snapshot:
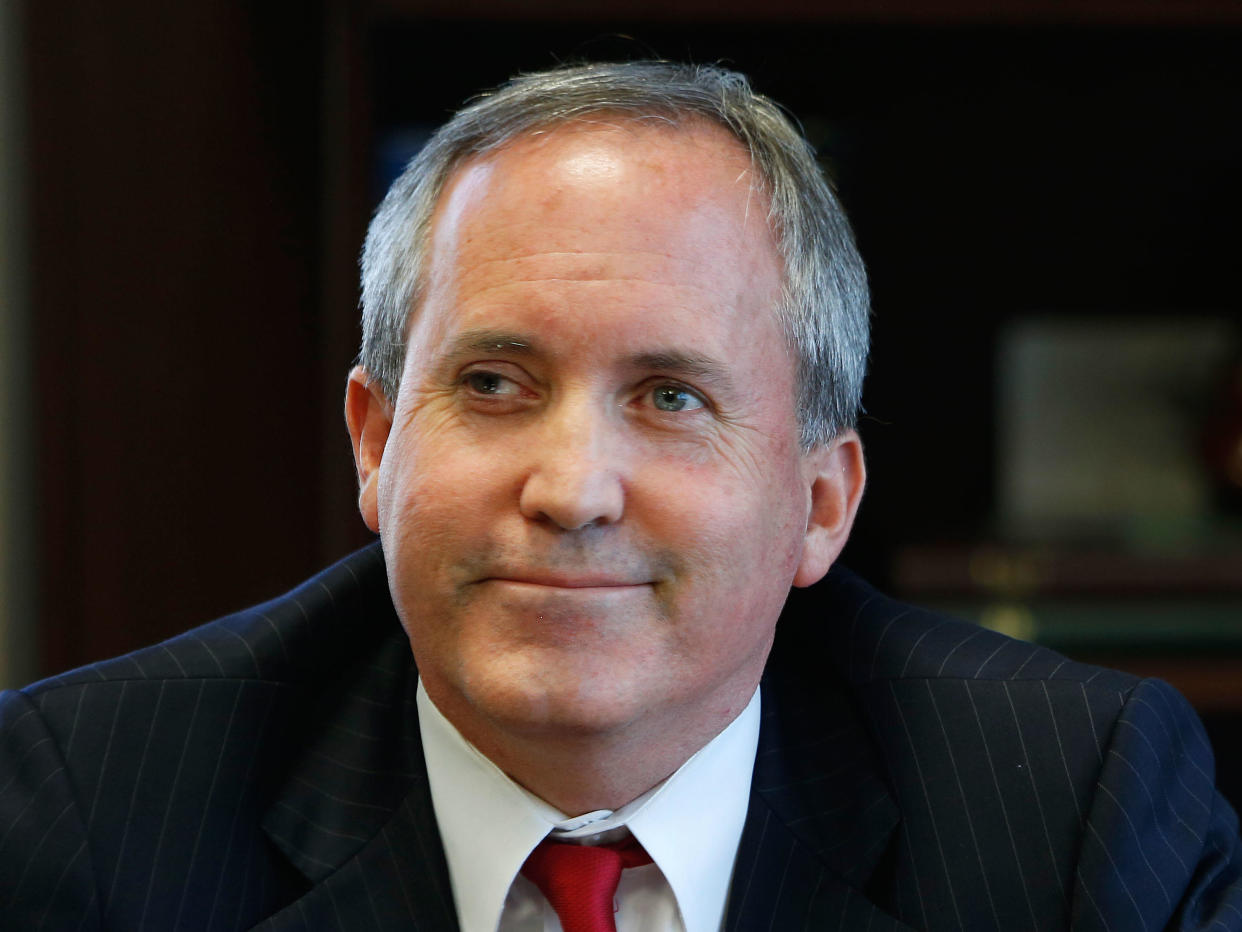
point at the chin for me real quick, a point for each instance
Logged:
(548, 702)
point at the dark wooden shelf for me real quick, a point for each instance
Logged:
(1051, 571)
(1212, 684)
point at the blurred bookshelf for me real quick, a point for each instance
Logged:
(1177, 616)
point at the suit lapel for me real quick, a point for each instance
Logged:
(354, 815)
(780, 883)
(397, 881)
(821, 817)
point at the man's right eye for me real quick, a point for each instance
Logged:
(490, 383)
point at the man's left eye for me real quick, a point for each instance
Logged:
(674, 398)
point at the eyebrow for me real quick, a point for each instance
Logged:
(491, 341)
(676, 362)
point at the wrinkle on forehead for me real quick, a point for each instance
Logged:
(586, 266)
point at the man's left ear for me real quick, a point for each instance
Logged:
(837, 474)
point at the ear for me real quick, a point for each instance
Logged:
(369, 416)
(837, 474)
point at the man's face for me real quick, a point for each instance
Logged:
(591, 496)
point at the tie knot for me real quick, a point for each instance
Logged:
(580, 881)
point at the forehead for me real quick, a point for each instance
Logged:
(608, 183)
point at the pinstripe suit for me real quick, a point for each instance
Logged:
(913, 773)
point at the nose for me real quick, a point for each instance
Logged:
(576, 476)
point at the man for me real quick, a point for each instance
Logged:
(614, 338)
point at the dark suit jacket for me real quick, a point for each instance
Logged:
(913, 772)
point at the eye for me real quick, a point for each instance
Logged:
(674, 398)
(490, 383)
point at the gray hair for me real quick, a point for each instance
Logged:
(824, 307)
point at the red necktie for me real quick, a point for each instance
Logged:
(580, 881)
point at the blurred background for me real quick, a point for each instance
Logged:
(1047, 194)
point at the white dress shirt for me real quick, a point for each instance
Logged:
(690, 825)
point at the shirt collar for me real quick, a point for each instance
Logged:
(690, 824)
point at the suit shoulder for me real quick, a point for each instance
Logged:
(332, 615)
(872, 637)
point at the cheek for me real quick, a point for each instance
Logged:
(755, 479)
(427, 496)
(426, 466)
(734, 523)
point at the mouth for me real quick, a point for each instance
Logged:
(577, 582)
